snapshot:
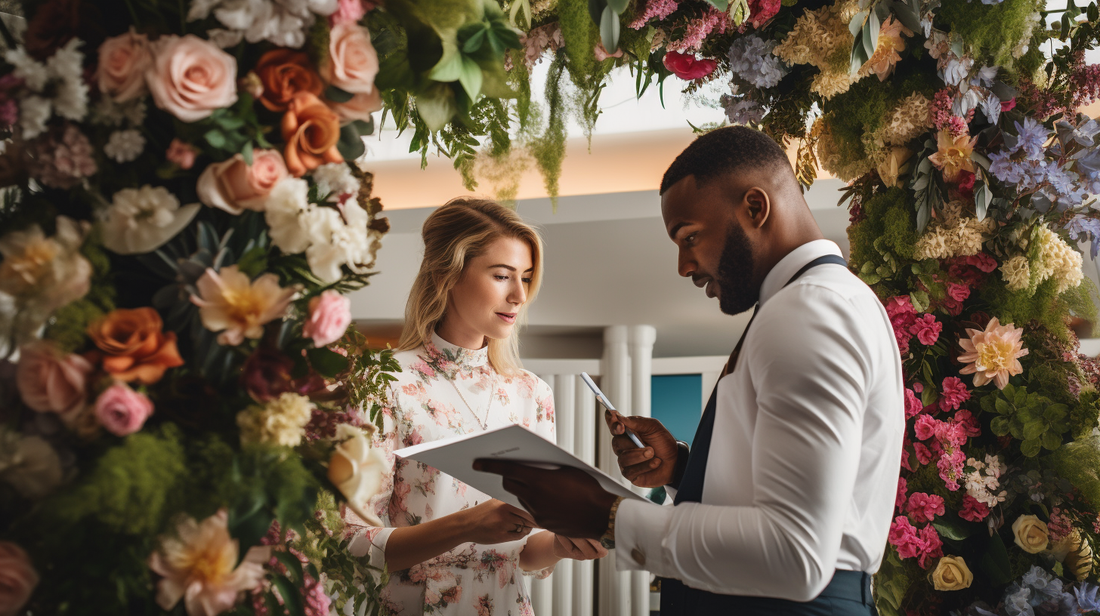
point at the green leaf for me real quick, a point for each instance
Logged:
(215, 138)
(246, 152)
(230, 123)
(449, 67)
(595, 10)
(508, 37)
(954, 529)
(364, 127)
(1030, 448)
(1051, 441)
(609, 29)
(1034, 430)
(924, 214)
(292, 564)
(292, 598)
(327, 363)
(619, 6)
(338, 95)
(982, 197)
(995, 563)
(999, 425)
(470, 77)
(721, 5)
(350, 144)
(474, 40)
(1093, 13)
(1003, 407)
(870, 33)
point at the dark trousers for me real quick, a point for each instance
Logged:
(848, 594)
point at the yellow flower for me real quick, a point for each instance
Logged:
(951, 573)
(238, 308)
(890, 42)
(954, 153)
(1031, 534)
(993, 355)
(281, 421)
(200, 566)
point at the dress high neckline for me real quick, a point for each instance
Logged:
(461, 356)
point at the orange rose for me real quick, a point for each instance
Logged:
(283, 73)
(311, 131)
(135, 346)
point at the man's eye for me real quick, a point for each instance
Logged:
(689, 240)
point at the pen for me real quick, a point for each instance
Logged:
(607, 404)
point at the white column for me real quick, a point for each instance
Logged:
(585, 426)
(640, 339)
(565, 398)
(615, 587)
(542, 591)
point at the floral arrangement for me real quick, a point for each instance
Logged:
(185, 406)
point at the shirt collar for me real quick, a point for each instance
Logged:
(461, 356)
(789, 265)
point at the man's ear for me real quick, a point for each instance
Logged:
(756, 207)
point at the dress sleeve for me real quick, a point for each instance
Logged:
(810, 373)
(364, 540)
(544, 427)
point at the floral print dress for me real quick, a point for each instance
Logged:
(425, 406)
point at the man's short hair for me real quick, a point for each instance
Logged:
(723, 151)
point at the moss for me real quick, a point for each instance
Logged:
(1084, 415)
(889, 220)
(68, 324)
(992, 31)
(1019, 307)
(548, 149)
(580, 35)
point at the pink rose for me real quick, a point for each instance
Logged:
(17, 578)
(352, 62)
(190, 77)
(122, 410)
(359, 107)
(329, 317)
(181, 153)
(234, 185)
(50, 381)
(123, 61)
(347, 11)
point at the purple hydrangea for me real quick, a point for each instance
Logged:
(1031, 137)
(1087, 595)
(752, 60)
(741, 110)
(1081, 228)
(1005, 169)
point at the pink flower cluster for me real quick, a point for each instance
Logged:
(760, 11)
(924, 508)
(973, 510)
(698, 30)
(1059, 525)
(957, 293)
(63, 162)
(907, 324)
(972, 269)
(654, 9)
(9, 109)
(954, 394)
(942, 441)
(924, 544)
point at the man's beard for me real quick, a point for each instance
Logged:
(736, 291)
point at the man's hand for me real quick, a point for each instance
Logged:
(567, 501)
(578, 549)
(651, 466)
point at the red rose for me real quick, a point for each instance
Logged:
(687, 67)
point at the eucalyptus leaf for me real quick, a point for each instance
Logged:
(365, 127)
(856, 24)
(619, 6)
(924, 214)
(470, 77)
(350, 144)
(609, 29)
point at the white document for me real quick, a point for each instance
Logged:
(455, 456)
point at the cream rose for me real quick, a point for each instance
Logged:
(356, 470)
(123, 61)
(352, 62)
(1031, 534)
(190, 77)
(235, 186)
(951, 573)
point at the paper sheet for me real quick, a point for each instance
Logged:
(455, 456)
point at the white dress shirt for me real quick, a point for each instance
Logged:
(804, 462)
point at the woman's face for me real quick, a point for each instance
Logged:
(486, 300)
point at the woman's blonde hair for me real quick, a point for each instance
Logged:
(457, 232)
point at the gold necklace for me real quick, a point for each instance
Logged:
(492, 391)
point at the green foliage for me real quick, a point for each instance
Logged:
(884, 239)
(1030, 418)
(132, 488)
(991, 31)
(548, 149)
(580, 35)
(1018, 307)
(68, 324)
(1079, 462)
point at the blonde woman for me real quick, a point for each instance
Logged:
(448, 548)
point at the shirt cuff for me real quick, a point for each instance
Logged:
(372, 545)
(641, 530)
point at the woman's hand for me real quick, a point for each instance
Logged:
(496, 522)
(578, 549)
(651, 466)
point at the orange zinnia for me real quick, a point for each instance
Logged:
(134, 345)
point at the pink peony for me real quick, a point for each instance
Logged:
(190, 77)
(123, 61)
(925, 507)
(925, 427)
(17, 578)
(235, 186)
(122, 410)
(954, 394)
(182, 154)
(329, 317)
(50, 381)
(973, 510)
(200, 566)
(347, 11)
(993, 354)
(352, 63)
(927, 329)
(687, 67)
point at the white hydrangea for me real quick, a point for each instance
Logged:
(124, 145)
(335, 179)
(65, 67)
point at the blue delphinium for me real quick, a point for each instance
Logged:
(1087, 595)
(1018, 601)
(1031, 137)
(752, 60)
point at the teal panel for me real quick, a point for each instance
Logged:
(678, 402)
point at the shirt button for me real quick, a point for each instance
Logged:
(638, 556)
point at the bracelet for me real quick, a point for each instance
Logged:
(608, 538)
